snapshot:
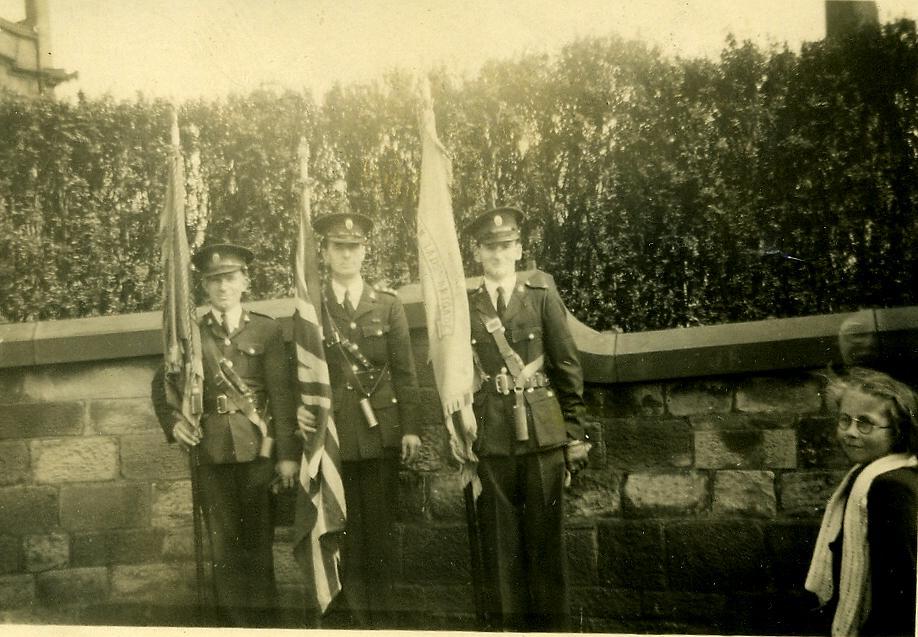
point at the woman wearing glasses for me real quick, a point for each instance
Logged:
(864, 565)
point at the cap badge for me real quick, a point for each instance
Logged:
(349, 223)
(498, 220)
(215, 257)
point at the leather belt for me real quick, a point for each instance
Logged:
(504, 383)
(222, 405)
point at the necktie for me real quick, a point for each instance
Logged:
(224, 319)
(501, 305)
(348, 307)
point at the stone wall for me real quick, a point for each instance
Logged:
(697, 513)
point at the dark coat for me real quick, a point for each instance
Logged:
(892, 518)
(379, 329)
(536, 324)
(259, 356)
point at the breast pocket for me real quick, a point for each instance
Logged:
(374, 343)
(527, 340)
(249, 359)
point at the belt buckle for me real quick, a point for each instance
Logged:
(221, 404)
(502, 384)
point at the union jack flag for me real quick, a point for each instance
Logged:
(320, 509)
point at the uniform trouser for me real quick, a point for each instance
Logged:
(369, 552)
(520, 513)
(238, 514)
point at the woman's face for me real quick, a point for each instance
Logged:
(857, 411)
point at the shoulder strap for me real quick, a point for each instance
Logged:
(515, 365)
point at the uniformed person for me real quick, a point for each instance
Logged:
(374, 384)
(530, 429)
(241, 449)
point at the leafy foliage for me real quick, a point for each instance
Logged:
(659, 192)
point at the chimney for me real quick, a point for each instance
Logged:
(844, 17)
(37, 18)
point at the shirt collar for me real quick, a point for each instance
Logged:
(508, 284)
(233, 316)
(354, 290)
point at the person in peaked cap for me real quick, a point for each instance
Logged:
(240, 448)
(374, 386)
(530, 429)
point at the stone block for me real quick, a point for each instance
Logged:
(131, 546)
(286, 569)
(128, 378)
(28, 509)
(38, 420)
(73, 586)
(412, 496)
(178, 544)
(805, 494)
(171, 504)
(46, 552)
(744, 422)
(666, 493)
(10, 554)
(156, 583)
(699, 397)
(105, 506)
(631, 554)
(425, 602)
(817, 442)
(745, 493)
(445, 499)
(150, 457)
(591, 602)
(593, 492)
(74, 460)
(647, 443)
(795, 393)
(580, 544)
(17, 591)
(682, 606)
(790, 545)
(123, 416)
(712, 556)
(434, 453)
(729, 449)
(14, 463)
(435, 554)
(780, 448)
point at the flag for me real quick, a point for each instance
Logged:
(446, 301)
(320, 509)
(184, 371)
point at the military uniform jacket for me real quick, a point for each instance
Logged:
(536, 323)
(379, 330)
(257, 353)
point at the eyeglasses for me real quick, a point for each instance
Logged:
(864, 427)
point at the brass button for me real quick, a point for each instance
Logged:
(531, 336)
(226, 341)
(378, 332)
(354, 368)
(474, 342)
(349, 386)
(251, 350)
(353, 325)
(229, 363)
(395, 400)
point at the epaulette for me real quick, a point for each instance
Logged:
(385, 290)
(267, 316)
(538, 280)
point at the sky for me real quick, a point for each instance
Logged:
(182, 49)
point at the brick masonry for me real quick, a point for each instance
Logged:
(702, 500)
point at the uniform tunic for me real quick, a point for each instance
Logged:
(378, 328)
(521, 504)
(234, 480)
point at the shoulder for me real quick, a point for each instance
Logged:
(257, 318)
(538, 280)
(894, 490)
(384, 295)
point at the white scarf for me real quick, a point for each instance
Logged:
(849, 513)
